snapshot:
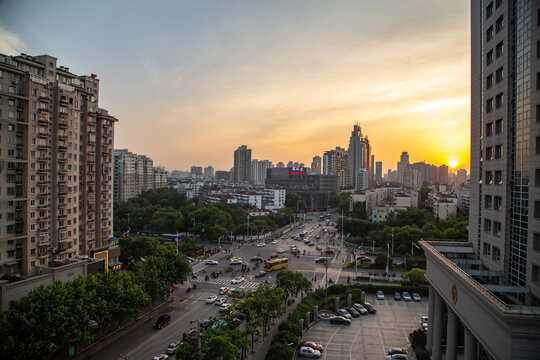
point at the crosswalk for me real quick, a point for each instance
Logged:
(227, 283)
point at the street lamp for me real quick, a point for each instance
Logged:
(392, 241)
(387, 256)
(219, 241)
(413, 245)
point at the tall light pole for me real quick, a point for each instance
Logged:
(373, 247)
(392, 241)
(219, 241)
(247, 230)
(387, 256)
(342, 230)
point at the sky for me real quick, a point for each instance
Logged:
(190, 81)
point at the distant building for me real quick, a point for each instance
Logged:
(443, 174)
(223, 175)
(335, 162)
(280, 165)
(258, 170)
(358, 156)
(274, 197)
(316, 167)
(209, 172)
(242, 164)
(461, 177)
(378, 171)
(196, 172)
(362, 179)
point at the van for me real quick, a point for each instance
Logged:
(162, 321)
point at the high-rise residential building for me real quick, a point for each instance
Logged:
(359, 154)
(134, 174)
(442, 174)
(378, 171)
(461, 176)
(335, 162)
(56, 167)
(316, 165)
(402, 165)
(223, 175)
(494, 291)
(196, 172)
(280, 165)
(242, 164)
(258, 170)
(208, 172)
(372, 168)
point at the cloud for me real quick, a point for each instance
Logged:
(10, 43)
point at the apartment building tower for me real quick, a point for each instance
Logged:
(242, 164)
(55, 166)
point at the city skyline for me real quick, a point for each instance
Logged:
(287, 79)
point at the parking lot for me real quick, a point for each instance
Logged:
(369, 336)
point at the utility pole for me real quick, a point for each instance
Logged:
(387, 256)
(342, 230)
(392, 241)
(247, 230)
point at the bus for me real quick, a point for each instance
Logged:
(302, 234)
(276, 264)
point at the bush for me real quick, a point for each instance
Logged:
(279, 351)
(418, 339)
(421, 354)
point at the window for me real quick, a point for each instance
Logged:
(498, 126)
(537, 145)
(499, 50)
(537, 113)
(489, 10)
(489, 81)
(498, 3)
(498, 151)
(538, 49)
(498, 177)
(489, 33)
(536, 241)
(537, 81)
(489, 57)
(497, 202)
(537, 209)
(487, 201)
(489, 177)
(535, 273)
(489, 105)
(489, 153)
(496, 256)
(487, 247)
(499, 75)
(537, 177)
(499, 24)
(497, 228)
(489, 129)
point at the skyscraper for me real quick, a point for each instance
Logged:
(209, 172)
(335, 162)
(242, 164)
(56, 181)
(402, 165)
(359, 153)
(316, 165)
(378, 171)
(494, 292)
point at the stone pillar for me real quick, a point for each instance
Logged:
(336, 302)
(349, 300)
(437, 328)
(470, 346)
(451, 336)
(431, 306)
(301, 326)
(308, 315)
(315, 313)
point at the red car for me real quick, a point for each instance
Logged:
(329, 251)
(312, 345)
(274, 255)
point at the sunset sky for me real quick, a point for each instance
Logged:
(190, 81)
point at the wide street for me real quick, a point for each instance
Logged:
(143, 342)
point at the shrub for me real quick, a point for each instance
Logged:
(421, 354)
(418, 339)
(278, 351)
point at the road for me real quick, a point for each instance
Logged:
(143, 342)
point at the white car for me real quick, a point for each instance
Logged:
(424, 322)
(283, 237)
(224, 307)
(160, 357)
(236, 261)
(380, 295)
(172, 348)
(405, 295)
(211, 262)
(309, 352)
(211, 299)
(274, 241)
(416, 297)
(280, 251)
(221, 301)
(237, 280)
(223, 290)
(260, 244)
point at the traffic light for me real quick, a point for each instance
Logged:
(172, 288)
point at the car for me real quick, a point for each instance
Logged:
(236, 261)
(317, 237)
(256, 258)
(311, 244)
(205, 323)
(344, 313)
(280, 251)
(211, 299)
(370, 308)
(318, 247)
(340, 320)
(260, 274)
(416, 297)
(221, 301)
(353, 312)
(362, 310)
(312, 345)
(261, 244)
(307, 241)
(274, 255)
(283, 237)
(380, 295)
(424, 322)
(190, 334)
(397, 351)
(309, 352)
(238, 280)
(211, 262)
(224, 307)
(293, 246)
(160, 357)
(162, 321)
(329, 251)
(405, 295)
(321, 260)
(397, 296)
(274, 241)
(397, 357)
(171, 349)
(223, 290)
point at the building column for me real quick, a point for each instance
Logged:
(451, 336)
(437, 328)
(431, 306)
(471, 346)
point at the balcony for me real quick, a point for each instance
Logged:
(42, 183)
(43, 120)
(62, 193)
(62, 159)
(62, 148)
(62, 205)
(43, 134)
(19, 144)
(63, 123)
(43, 146)
(43, 99)
(42, 206)
(62, 171)
(42, 219)
(42, 170)
(19, 170)
(43, 110)
(62, 217)
(19, 220)
(64, 102)
(62, 136)
(43, 194)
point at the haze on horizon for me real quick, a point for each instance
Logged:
(190, 81)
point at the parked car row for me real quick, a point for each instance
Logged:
(405, 296)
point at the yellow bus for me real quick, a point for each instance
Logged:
(276, 264)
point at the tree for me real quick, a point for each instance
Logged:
(278, 351)
(294, 201)
(416, 276)
(292, 282)
(167, 220)
(134, 249)
(220, 347)
(359, 210)
(334, 200)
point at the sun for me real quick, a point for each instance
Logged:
(452, 163)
